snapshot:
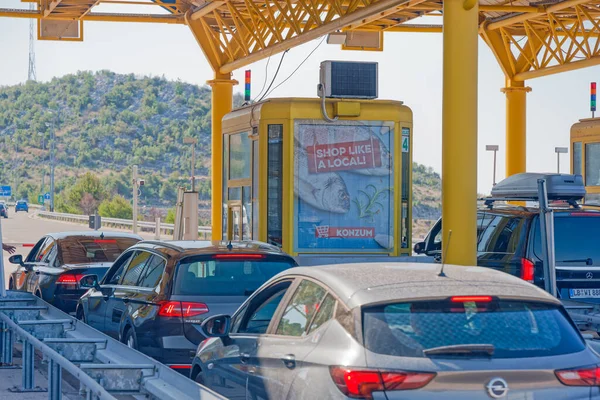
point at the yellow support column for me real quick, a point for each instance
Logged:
(516, 126)
(459, 132)
(222, 103)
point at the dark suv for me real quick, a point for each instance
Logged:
(509, 240)
(156, 295)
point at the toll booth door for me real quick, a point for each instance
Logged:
(237, 223)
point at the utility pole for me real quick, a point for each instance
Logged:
(192, 141)
(135, 198)
(494, 148)
(52, 169)
(559, 151)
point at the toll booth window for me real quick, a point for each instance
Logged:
(577, 158)
(592, 164)
(225, 190)
(239, 156)
(247, 212)
(255, 186)
(405, 185)
(275, 185)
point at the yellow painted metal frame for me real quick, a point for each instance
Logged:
(585, 131)
(284, 112)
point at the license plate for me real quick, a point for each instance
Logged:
(584, 293)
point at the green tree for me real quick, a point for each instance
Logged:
(117, 207)
(170, 218)
(87, 184)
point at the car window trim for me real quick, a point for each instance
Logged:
(139, 277)
(154, 254)
(299, 281)
(112, 266)
(293, 285)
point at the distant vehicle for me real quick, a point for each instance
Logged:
(509, 240)
(21, 206)
(3, 210)
(377, 331)
(59, 263)
(157, 294)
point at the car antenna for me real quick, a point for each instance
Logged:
(442, 274)
(229, 246)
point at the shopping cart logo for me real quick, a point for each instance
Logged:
(323, 231)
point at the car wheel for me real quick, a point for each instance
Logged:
(80, 315)
(199, 378)
(130, 339)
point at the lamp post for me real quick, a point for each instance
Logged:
(52, 160)
(192, 141)
(494, 148)
(558, 151)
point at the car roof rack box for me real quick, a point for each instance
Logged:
(524, 186)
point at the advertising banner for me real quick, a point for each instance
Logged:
(343, 186)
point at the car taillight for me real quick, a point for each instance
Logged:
(69, 279)
(527, 270)
(183, 309)
(583, 376)
(467, 299)
(361, 383)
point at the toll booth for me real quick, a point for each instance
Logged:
(585, 156)
(292, 179)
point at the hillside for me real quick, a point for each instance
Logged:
(106, 122)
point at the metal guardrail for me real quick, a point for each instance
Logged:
(103, 366)
(204, 232)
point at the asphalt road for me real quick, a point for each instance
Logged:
(25, 228)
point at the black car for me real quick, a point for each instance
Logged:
(59, 262)
(509, 240)
(156, 295)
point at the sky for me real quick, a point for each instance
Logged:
(410, 70)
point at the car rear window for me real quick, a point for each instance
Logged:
(84, 250)
(206, 276)
(575, 239)
(515, 329)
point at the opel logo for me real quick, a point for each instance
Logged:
(589, 275)
(497, 388)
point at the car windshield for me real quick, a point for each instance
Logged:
(84, 250)
(575, 239)
(203, 275)
(498, 329)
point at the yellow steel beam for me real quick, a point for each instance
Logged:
(48, 8)
(108, 17)
(526, 16)
(207, 9)
(570, 66)
(415, 28)
(516, 126)
(459, 133)
(221, 104)
(362, 14)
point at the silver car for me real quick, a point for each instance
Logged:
(397, 331)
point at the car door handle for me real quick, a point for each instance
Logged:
(244, 357)
(289, 360)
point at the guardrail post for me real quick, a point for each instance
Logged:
(54, 380)
(7, 345)
(157, 229)
(28, 359)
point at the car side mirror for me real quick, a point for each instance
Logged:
(16, 259)
(89, 282)
(216, 326)
(419, 248)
